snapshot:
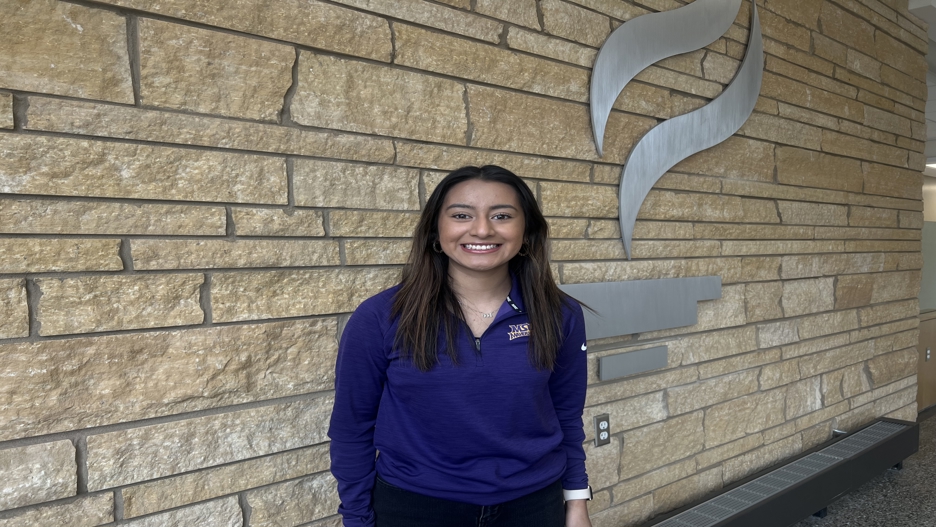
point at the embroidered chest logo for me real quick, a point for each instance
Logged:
(519, 330)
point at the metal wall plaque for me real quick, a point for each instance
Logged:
(648, 38)
(632, 363)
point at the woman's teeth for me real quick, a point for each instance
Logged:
(472, 247)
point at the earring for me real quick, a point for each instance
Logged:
(524, 250)
(437, 247)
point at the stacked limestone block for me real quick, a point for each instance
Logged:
(194, 195)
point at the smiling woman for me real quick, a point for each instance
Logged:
(468, 377)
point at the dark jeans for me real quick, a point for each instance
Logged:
(396, 507)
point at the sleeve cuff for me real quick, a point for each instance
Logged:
(577, 494)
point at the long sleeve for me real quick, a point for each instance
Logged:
(567, 387)
(360, 375)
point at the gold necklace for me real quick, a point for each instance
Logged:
(489, 314)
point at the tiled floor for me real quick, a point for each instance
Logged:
(905, 498)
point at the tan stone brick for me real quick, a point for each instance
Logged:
(569, 199)
(619, 10)
(422, 107)
(806, 14)
(885, 329)
(870, 200)
(799, 94)
(796, 212)
(777, 333)
(829, 360)
(778, 28)
(863, 64)
(802, 297)
(837, 143)
(803, 397)
(559, 49)
(805, 266)
(732, 231)
(86, 511)
(826, 323)
(459, 57)
(588, 250)
(87, 58)
(6, 110)
(277, 222)
(885, 369)
(863, 233)
(293, 502)
(639, 385)
(765, 456)
(653, 480)
(143, 375)
(631, 413)
(213, 254)
(260, 295)
(736, 157)
(779, 374)
(601, 464)
(880, 314)
(803, 115)
(516, 122)
(76, 167)
(784, 131)
(891, 403)
(683, 399)
(439, 17)
(37, 473)
(910, 220)
(377, 252)
(847, 28)
(720, 68)
(876, 100)
(843, 384)
(225, 512)
(598, 229)
(853, 291)
(732, 270)
(577, 228)
(150, 452)
(892, 181)
(314, 24)
(693, 183)
(871, 217)
(784, 192)
(659, 444)
(186, 68)
(185, 489)
(907, 413)
(574, 23)
(688, 490)
(866, 132)
(643, 230)
(674, 249)
(829, 49)
(665, 205)
(333, 184)
(900, 57)
(107, 303)
(14, 312)
(762, 301)
(715, 345)
(520, 12)
(450, 158)
(24, 255)
(883, 391)
(743, 416)
(800, 167)
(350, 223)
(735, 248)
(887, 121)
(882, 246)
(629, 513)
(83, 118)
(82, 217)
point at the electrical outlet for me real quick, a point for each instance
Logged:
(602, 429)
(927, 353)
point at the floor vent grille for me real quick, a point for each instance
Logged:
(730, 505)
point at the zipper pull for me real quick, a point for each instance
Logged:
(478, 343)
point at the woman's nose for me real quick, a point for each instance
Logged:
(481, 227)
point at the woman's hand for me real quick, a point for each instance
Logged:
(577, 514)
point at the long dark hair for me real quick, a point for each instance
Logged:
(426, 303)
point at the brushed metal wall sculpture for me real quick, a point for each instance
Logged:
(675, 139)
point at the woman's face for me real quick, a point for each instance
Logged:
(481, 226)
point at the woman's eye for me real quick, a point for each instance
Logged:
(502, 216)
(460, 216)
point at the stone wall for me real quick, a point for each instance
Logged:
(195, 195)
